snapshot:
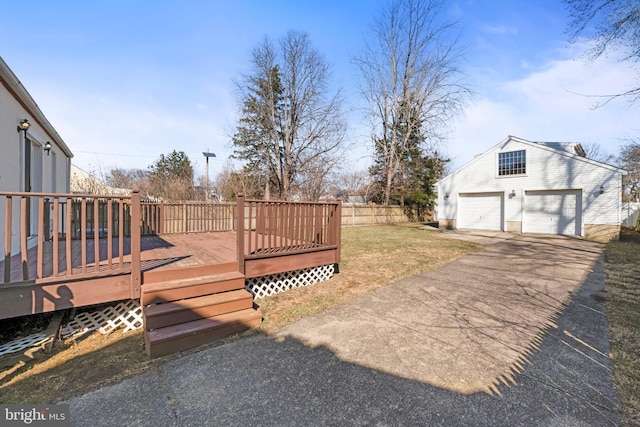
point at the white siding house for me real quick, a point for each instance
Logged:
(521, 186)
(25, 165)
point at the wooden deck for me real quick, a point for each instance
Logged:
(86, 249)
(157, 253)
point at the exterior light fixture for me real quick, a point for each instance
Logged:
(513, 193)
(24, 126)
(47, 147)
(602, 189)
(446, 195)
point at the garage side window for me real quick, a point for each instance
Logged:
(512, 163)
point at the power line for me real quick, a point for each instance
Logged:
(111, 154)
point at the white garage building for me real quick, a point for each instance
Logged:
(534, 187)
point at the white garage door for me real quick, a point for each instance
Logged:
(481, 211)
(553, 212)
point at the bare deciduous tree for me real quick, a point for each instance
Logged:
(231, 182)
(289, 120)
(610, 25)
(128, 179)
(629, 159)
(411, 82)
(594, 151)
(357, 183)
(81, 181)
(315, 180)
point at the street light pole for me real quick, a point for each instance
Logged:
(207, 154)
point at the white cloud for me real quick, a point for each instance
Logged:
(545, 106)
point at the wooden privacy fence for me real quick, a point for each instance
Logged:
(59, 227)
(188, 217)
(372, 214)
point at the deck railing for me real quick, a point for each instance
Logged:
(61, 237)
(60, 228)
(275, 228)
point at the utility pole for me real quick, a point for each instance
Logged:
(207, 154)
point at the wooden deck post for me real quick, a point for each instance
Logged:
(240, 231)
(161, 228)
(337, 221)
(7, 238)
(25, 213)
(184, 218)
(136, 271)
(40, 244)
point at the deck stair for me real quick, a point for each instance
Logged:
(187, 307)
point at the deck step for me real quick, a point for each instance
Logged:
(160, 342)
(154, 276)
(187, 310)
(175, 290)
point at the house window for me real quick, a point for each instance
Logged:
(512, 163)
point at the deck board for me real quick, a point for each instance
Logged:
(157, 252)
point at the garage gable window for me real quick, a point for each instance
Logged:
(512, 163)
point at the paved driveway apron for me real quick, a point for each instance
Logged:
(509, 335)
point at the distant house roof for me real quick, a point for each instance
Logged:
(19, 92)
(83, 182)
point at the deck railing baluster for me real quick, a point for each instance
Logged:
(121, 233)
(24, 234)
(8, 217)
(55, 256)
(40, 236)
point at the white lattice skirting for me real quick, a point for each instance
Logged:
(265, 286)
(20, 344)
(127, 314)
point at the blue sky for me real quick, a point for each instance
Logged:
(124, 81)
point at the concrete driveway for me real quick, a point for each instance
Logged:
(468, 326)
(509, 335)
